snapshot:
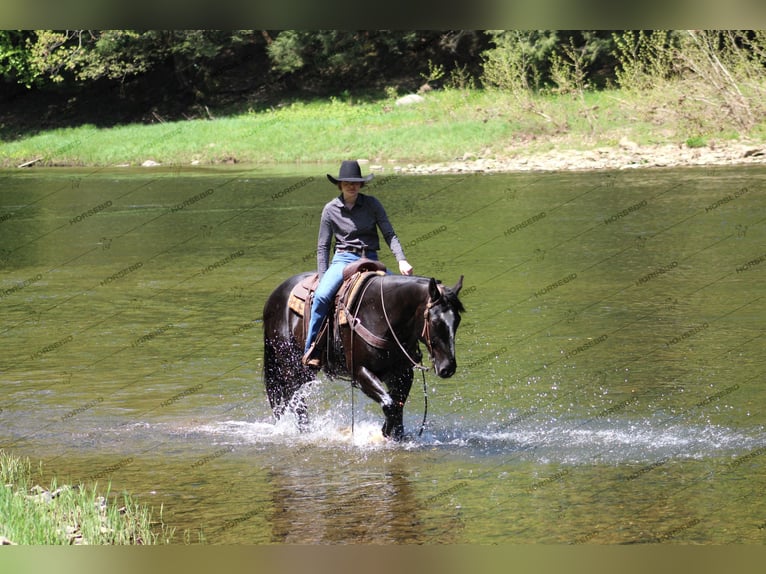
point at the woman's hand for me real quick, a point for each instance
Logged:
(405, 268)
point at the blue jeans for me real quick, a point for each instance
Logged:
(326, 290)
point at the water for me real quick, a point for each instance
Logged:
(610, 379)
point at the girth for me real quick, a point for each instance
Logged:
(345, 301)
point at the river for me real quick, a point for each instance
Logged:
(610, 361)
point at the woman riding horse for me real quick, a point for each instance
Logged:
(352, 219)
(378, 347)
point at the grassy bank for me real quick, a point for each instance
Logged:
(63, 514)
(447, 125)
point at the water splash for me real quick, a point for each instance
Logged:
(324, 432)
(612, 442)
(569, 442)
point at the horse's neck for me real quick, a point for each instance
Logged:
(406, 301)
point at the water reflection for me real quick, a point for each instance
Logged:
(380, 508)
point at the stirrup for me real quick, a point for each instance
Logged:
(309, 359)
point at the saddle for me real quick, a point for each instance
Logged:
(355, 276)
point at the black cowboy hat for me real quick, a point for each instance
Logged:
(350, 171)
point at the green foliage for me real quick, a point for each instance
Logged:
(345, 56)
(117, 54)
(688, 82)
(730, 70)
(696, 81)
(64, 515)
(644, 58)
(435, 72)
(285, 51)
(568, 69)
(14, 58)
(42, 57)
(460, 79)
(53, 54)
(696, 141)
(523, 60)
(515, 63)
(90, 55)
(511, 60)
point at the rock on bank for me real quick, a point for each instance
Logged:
(627, 155)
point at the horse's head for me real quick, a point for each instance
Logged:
(442, 318)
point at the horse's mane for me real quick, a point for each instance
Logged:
(452, 298)
(448, 293)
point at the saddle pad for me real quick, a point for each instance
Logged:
(299, 294)
(347, 293)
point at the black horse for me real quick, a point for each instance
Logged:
(397, 311)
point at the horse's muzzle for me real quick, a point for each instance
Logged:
(447, 370)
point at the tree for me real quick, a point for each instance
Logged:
(44, 57)
(367, 58)
(523, 59)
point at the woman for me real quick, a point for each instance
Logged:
(353, 219)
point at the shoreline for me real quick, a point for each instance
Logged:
(627, 155)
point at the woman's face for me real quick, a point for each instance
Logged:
(350, 189)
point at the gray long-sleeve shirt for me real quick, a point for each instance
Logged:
(355, 228)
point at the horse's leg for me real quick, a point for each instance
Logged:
(297, 400)
(299, 377)
(399, 390)
(372, 386)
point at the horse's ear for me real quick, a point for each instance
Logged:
(458, 286)
(433, 290)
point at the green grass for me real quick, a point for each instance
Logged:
(66, 515)
(448, 125)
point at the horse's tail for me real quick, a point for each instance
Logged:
(283, 375)
(269, 366)
(271, 379)
(283, 372)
